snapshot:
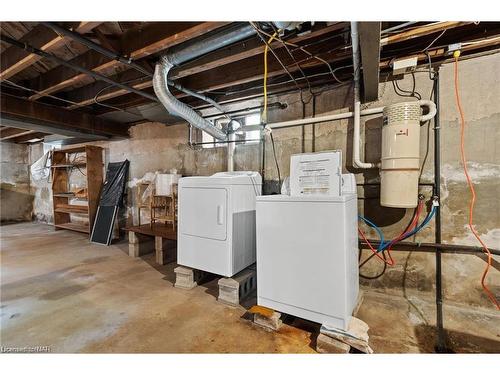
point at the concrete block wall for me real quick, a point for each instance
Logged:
(16, 199)
(154, 146)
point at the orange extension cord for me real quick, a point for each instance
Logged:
(490, 295)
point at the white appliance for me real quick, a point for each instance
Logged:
(307, 244)
(400, 166)
(216, 213)
(307, 256)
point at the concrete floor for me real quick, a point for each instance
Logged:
(58, 290)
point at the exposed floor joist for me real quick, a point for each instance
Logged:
(14, 60)
(57, 118)
(28, 137)
(135, 44)
(9, 133)
(369, 41)
(85, 95)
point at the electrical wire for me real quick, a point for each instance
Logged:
(274, 53)
(406, 93)
(490, 295)
(276, 162)
(61, 99)
(36, 92)
(309, 54)
(266, 49)
(294, 60)
(434, 41)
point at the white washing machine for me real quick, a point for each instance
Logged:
(216, 231)
(307, 255)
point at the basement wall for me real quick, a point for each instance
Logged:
(16, 200)
(153, 146)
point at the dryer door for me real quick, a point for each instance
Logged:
(203, 212)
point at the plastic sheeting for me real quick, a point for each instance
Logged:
(114, 186)
(40, 169)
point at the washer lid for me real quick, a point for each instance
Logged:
(306, 198)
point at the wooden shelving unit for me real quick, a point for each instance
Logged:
(89, 162)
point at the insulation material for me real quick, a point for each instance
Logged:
(164, 183)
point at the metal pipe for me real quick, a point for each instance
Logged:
(356, 158)
(192, 49)
(127, 61)
(429, 247)
(96, 47)
(178, 108)
(441, 339)
(397, 27)
(91, 73)
(231, 147)
(188, 51)
(333, 117)
(345, 115)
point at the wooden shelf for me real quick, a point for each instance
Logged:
(72, 209)
(74, 226)
(61, 170)
(68, 165)
(74, 150)
(70, 195)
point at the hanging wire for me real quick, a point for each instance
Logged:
(294, 60)
(434, 41)
(62, 99)
(274, 53)
(308, 53)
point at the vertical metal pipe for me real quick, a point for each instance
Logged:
(231, 147)
(314, 125)
(263, 170)
(441, 342)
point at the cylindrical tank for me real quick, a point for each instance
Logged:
(400, 164)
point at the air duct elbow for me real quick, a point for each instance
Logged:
(178, 108)
(431, 106)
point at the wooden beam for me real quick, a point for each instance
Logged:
(421, 31)
(85, 95)
(237, 74)
(15, 60)
(245, 50)
(17, 109)
(369, 41)
(443, 51)
(28, 137)
(219, 81)
(136, 44)
(8, 133)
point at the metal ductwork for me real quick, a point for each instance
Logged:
(178, 108)
(185, 52)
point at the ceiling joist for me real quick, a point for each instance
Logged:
(135, 44)
(15, 60)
